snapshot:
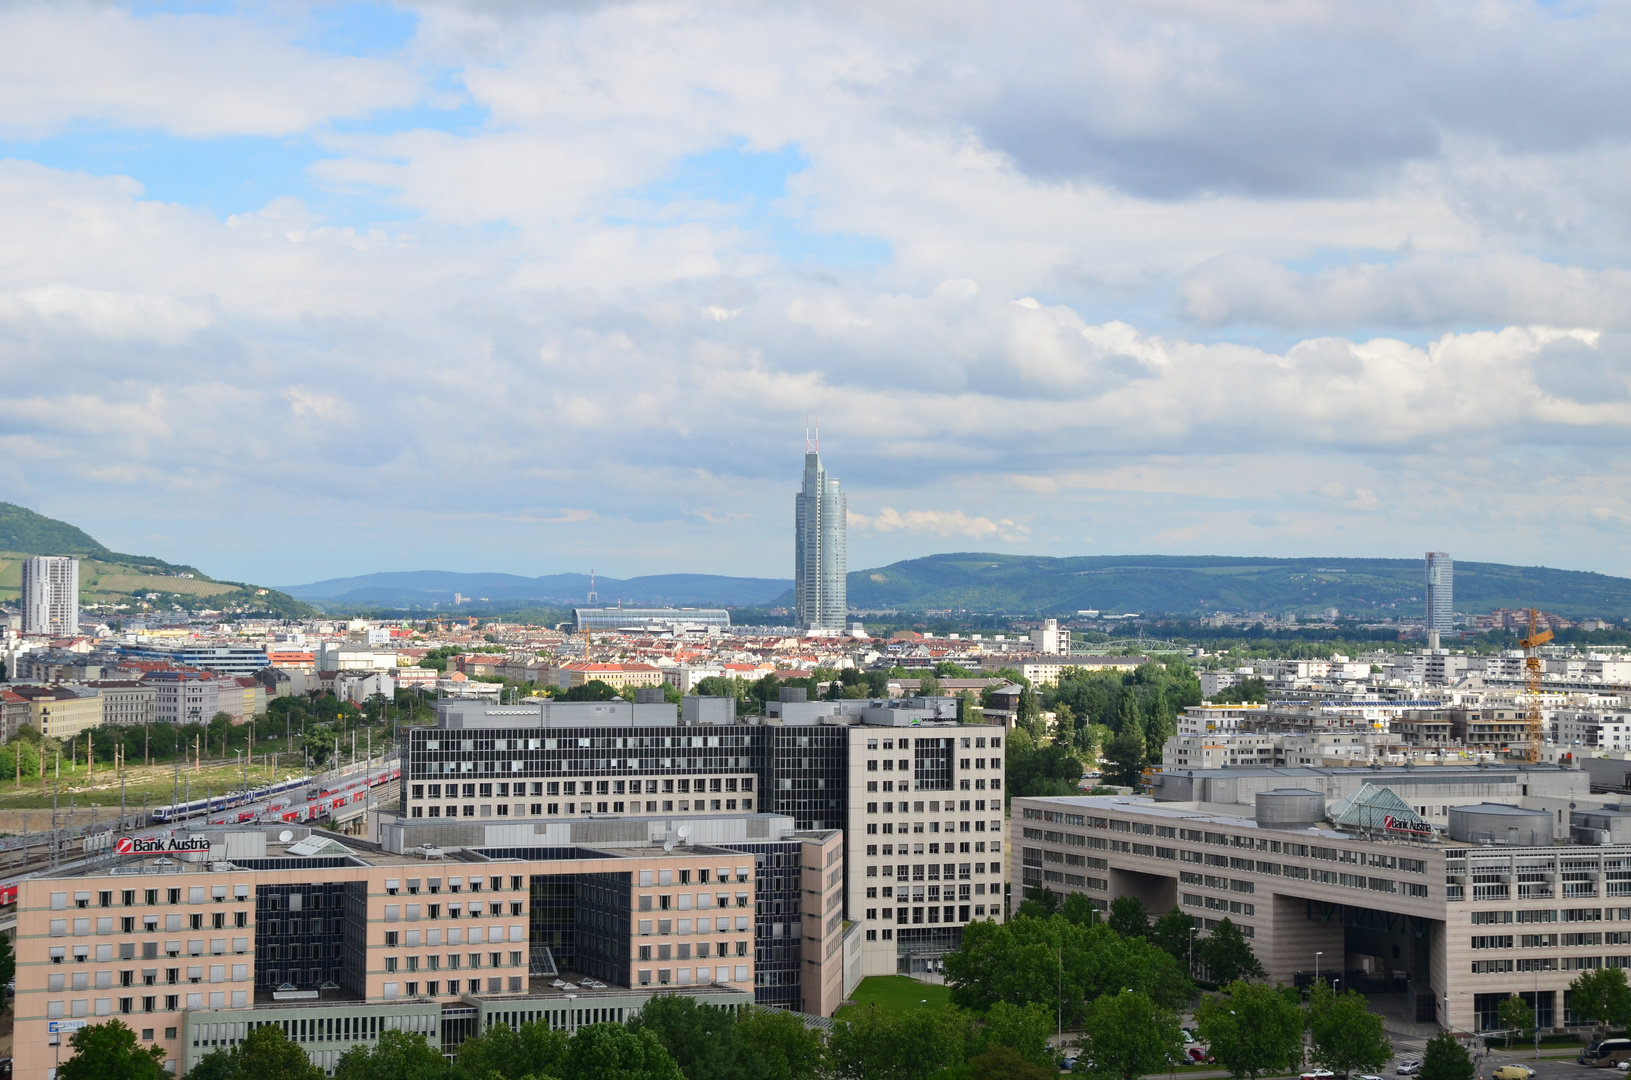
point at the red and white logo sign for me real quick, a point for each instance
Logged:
(123, 845)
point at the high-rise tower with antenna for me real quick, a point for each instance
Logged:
(820, 556)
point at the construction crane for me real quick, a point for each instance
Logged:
(1532, 686)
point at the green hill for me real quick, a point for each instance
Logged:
(115, 583)
(1015, 584)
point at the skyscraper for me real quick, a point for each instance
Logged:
(820, 559)
(1440, 595)
(51, 595)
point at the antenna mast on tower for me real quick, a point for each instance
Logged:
(593, 596)
(812, 445)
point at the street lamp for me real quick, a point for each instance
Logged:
(1317, 966)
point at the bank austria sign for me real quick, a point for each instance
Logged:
(158, 845)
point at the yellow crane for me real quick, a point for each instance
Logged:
(1532, 686)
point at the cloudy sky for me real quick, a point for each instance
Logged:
(291, 292)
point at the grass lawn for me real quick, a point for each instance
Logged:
(899, 992)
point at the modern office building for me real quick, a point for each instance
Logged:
(50, 595)
(649, 620)
(194, 944)
(1515, 888)
(1440, 595)
(822, 764)
(226, 659)
(820, 556)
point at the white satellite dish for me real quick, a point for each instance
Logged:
(684, 831)
(285, 836)
(668, 845)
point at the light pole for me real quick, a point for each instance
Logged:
(1317, 966)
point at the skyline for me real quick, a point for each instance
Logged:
(299, 292)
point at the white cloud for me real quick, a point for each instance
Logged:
(1180, 279)
(942, 523)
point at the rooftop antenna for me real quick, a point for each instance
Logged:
(594, 597)
(812, 445)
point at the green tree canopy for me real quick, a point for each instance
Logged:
(1022, 1029)
(873, 1044)
(1006, 1063)
(532, 1049)
(1253, 1030)
(1601, 996)
(1227, 955)
(1171, 934)
(111, 1051)
(777, 1045)
(395, 1055)
(1347, 1035)
(1517, 1015)
(1126, 1036)
(702, 1040)
(1445, 1059)
(1020, 962)
(1126, 757)
(1128, 917)
(613, 1052)
(593, 690)
(267, 1053)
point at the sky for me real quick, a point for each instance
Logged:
(294, 291)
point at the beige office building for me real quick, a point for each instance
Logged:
(1451, 887)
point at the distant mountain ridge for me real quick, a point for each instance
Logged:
(422, 588)
(1016, 584)
(1033, 584)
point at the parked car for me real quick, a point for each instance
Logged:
(1317, 1074)
(1189, 1036)
(1408, 1068)
(1513, 1072)
(1366, 1076)
(1200, 1057)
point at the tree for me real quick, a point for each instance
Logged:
(1601, 996)
(1020, 961)
(1253, 1031)
(1079, 910)
(1347, 1035)
(1517, 1015)
(593, 690)
(512, 1052)
(613, 1052)
(1171, 934)
(395, 1055)
(1126, 756)
(1006, 1063)
(1128, 918)
(1127, 1036)
(701, 1040)
(1024, 1030)
(267, 1052)
(777, 1045)
(1040, 902)
(111, 1051)
(1445, 1059)
(912, 1045)
(1245, 691)
(1227, 955)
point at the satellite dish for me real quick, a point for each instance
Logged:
(285, 836)
(668, 845)
(684, 831)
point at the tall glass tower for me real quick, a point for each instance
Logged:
(1440, 595)
(820, 558)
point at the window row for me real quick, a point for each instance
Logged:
(150, 897)
(454, 961)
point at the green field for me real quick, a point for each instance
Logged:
(899, 992)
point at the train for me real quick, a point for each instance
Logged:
(306, 799)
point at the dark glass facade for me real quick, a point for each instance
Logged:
(308, 935)
(603, 911)
(778, 922)
(807, 775)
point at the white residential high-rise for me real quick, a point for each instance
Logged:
(820, 562)
(1440, 595)
(51, 595)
